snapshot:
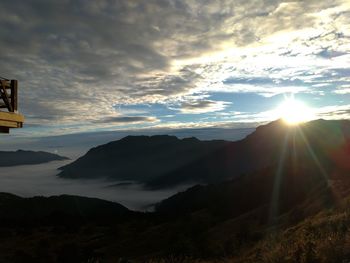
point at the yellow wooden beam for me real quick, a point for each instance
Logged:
(10, 120)
(11, 116)
(10, 124)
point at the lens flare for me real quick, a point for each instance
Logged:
(294, 112)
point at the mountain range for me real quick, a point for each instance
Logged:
(21, 157)
(165, 161)
(279, 195)
(140, 158)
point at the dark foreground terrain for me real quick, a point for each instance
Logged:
(292, 206)
(76, 229)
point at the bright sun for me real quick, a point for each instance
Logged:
(294, 112)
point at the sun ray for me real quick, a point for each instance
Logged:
(294, 112)
(313, 155)
(278, 180)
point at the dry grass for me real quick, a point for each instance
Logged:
(324, 238)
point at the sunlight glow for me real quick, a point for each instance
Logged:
(294, 112)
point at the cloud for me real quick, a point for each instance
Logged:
(34, 180)
(331, 112)
(343, 91)
(127, 119)
(264, 86)
(202, 106)
(334, 112)
(75, 60)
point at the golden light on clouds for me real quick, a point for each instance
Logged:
(192, 60)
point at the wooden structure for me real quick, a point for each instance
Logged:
(9, 117)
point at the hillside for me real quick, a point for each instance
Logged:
(55, 208)
(292, 206)
(310, 231)
(21, 157)
(306, 146)
(139, 158)
(164, 161)
(320, 238)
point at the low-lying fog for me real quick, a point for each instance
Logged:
(32, 180)
(41, 179)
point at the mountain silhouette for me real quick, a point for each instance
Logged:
(140, 158)
(55, 209)
(280, 185)
(21, 157)
(312, 146)
(318, 147)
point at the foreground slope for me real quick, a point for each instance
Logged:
(35, 209)
(195, 237)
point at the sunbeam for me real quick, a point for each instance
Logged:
(313, 155)
(294, 112)
(278, 179)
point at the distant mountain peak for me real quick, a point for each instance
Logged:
(140, 158)
(149, 138)
(23, 157)
(191, 139)
(163, 138)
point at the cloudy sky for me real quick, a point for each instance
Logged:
(113, 65)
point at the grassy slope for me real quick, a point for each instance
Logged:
(323, 238)
(198, 237)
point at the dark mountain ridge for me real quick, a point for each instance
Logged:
(21, 157)
(265, 147)
(139, 158)
(164, 161)
(59, 209)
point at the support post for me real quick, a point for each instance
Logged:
(5, 96)
(14, 94)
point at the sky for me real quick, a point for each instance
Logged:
(92, 66)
